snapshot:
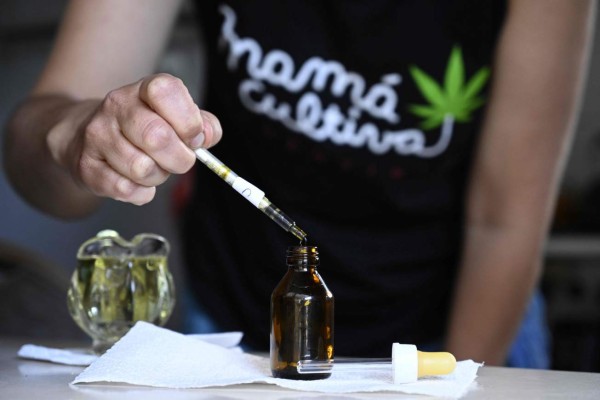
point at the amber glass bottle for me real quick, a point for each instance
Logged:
(301, 316)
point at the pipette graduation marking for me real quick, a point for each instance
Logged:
(253, 194)
(407, 364)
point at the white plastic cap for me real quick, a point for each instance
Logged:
(405, 363)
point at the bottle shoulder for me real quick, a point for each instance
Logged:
(302, 283)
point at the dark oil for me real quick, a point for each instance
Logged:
(302, 310)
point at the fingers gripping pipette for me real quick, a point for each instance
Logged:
(253, 194)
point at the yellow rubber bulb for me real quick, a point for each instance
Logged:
(435, 363)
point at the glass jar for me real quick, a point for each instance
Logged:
(301, 316)
(117, 283)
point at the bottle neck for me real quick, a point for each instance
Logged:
(302, 258)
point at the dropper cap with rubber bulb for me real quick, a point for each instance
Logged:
(408, 364)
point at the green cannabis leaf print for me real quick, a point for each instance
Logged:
(455, 98)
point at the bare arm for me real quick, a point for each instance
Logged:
(97, 124)
(539, 73)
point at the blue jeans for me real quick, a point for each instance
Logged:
(196, 319)
(530, 349)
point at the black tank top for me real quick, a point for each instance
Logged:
(358, 119)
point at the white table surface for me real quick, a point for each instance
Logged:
(33, 380)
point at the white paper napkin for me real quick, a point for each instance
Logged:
(152, 356)
(81, 357)
(84, 357)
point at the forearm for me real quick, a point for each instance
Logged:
(538, 77)
(36, 171)
(500, 268)
(50, 156)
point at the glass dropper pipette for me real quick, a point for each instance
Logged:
(407, 364)
(253, 194)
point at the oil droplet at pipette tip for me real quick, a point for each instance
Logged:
(299, 233)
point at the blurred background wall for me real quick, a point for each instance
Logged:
(572, 275)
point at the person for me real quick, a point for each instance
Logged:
(364, 121)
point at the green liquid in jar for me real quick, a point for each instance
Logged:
(109, 295)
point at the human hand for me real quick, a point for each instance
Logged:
(136, 137)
